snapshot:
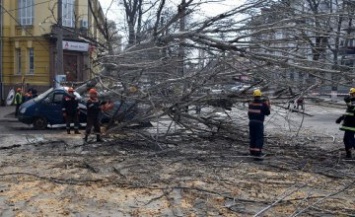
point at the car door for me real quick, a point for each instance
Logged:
(52, 108)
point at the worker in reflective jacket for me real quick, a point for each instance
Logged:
(94, 107)
(18, 100)
(258, 109)
(70, 108)
(348, 125)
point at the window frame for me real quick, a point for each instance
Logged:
(68, 13)
(18, 61)
(56, 99)
(26, 12)
(31, 61)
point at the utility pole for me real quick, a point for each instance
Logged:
(59, 60)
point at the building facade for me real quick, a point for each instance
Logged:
(29, 41)
(309, 42)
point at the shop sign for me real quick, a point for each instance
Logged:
(75, 46)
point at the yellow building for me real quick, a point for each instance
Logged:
(29, 35)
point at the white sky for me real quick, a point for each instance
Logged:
(210, 9)
(116, 12)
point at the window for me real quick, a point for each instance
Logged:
(25, 12)
(68, 13)
(57, 98)
(18, 64)
(31, 66)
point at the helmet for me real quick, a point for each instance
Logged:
(352, 90)
(19, 89)
(92, 91)
(257, 93)
(70, 90)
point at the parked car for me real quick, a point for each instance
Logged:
(239, 88)
(47, 109)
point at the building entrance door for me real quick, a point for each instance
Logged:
(71, 67)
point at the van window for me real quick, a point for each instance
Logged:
(57, 98)
(49, 98)
(43, 95)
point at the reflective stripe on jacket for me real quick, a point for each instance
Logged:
(257, 110)
(349, 116)
(18, 99)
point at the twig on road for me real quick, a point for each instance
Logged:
(277, 201)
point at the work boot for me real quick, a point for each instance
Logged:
(259, 157)
(348, 154)
(86, 139)
(68, 131)
(77, 132)
(98, 138)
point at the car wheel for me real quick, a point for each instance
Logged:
(40, 123)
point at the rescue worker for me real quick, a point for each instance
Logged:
(94, 107)
(28, 95)
(348, 125)
(258, 109)
(70, 108)
(300, 103)
(18, 100)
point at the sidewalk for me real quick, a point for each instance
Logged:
(7, 114)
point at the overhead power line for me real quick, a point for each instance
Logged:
(33, 5)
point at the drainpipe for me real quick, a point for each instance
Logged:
(1, 54)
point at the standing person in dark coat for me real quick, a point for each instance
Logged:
(70, 108)
(300, 103)
(348, 120)
(94, 107)
(34, 93)
(258, 109)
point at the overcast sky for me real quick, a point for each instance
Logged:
(116, 13)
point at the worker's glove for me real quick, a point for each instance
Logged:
(347, 100)
(339, 120)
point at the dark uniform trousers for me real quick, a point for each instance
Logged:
(70, 118)
(349, 140)
(93, 122)
(256, 129)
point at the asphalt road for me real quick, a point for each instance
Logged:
(12, 127)
(322, 120)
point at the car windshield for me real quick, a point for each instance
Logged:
(42, 95)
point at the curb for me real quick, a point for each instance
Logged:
(8, 120)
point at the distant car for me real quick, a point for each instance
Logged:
(47, 109)
(239, 88)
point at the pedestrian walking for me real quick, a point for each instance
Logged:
(18, 101)
(198, 108)
(94, 108)
(348, 125)
(257, 111)
(70, 108)
(300, 103)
